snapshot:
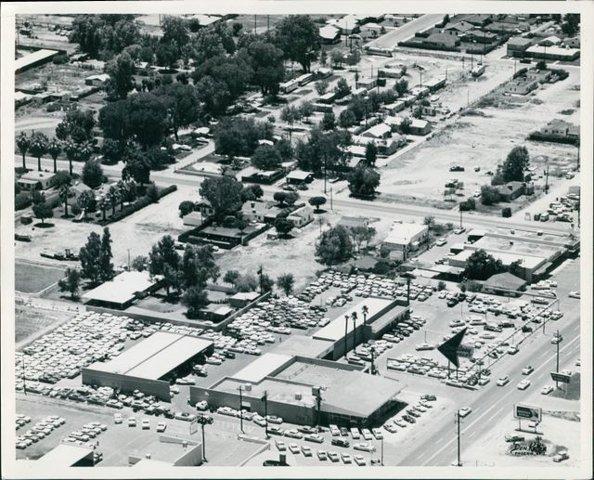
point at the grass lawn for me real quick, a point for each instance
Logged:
(30, 278)
(30, 320)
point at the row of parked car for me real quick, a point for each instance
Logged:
(38, 431)
(410, 414)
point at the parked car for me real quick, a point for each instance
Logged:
(339, 442)
(559, 457)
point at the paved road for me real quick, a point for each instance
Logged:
(391, 39)
(492, 401)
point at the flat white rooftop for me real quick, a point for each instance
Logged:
(122, 288)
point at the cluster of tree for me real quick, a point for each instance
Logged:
(225, 195)
(247, 282)
(71, 282)
(571, 24)
(42, 209)
(236, 136)
(334, 246)
(490, 195)
(95, 258)
(360, 108)
(481, 266)
(363, 181)
(291, 114)
(513, 169)
(103, 36)
(270, 157)
(468, 205)
(323, 151)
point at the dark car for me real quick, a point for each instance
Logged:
(456, 168)
(526, 329)
(339, 442)
(344, 432)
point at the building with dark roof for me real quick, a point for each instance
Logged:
(516, 46)
(504, 284)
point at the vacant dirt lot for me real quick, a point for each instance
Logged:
(483, 140)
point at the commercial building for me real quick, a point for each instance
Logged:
(536, 252)
(34, 59)
(553, 53)
(122, 290)
(404, 238)
(167, 451)
(517, 46)
(305, 391)
(504, 284)
(66, 456)
(148, 365)
(346, 334)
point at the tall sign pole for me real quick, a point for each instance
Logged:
(241, 410)
(458, 422)
(557, 369)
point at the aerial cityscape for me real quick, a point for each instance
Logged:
(297, 240)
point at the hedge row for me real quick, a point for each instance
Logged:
(137, 205)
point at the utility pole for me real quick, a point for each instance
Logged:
(354, 318)
(240, 409)
(325, 172)
(317, 392)
(372, 360)
(547, 178)
(204, 420)
(458, 419)
(558, 343)
(365, 310)
(254, 24)
(460, 217)
(382, 450)
(331, 206)
(265, 398)
(24, 376)
(129, 260)
(346, 329)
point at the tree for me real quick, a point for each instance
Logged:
(362, 235)
(290, 115)
(136, 167)
(363, 181)
(43, 210)
(164, 260)
(317, 202)
(38, 146)
(417, 112)
(429, 220)
(297, 36)
(284, 149)
(266, 157)
(175, 32)
(71, 282)
(334, 246)
(104, 261)
(152, 193)
(346, 118)
(23, 142)
(183, 103)
(267, 66)
(147, 119)
(112, 151)
(481, 266)
(246, 283)
(515, 165)
(86, 202)
(140, 263)
(224, 195)
(266, 283)
(77, 127)
(89, 255)
(307, 110)
(370, 154)
(571, 24)
(286, 282)
(336, 57)
(321, 86)
(197, 266)
(121, 70)
(283, 226)
(185, 207)
(286, 199)
(231, 276)
(92, 174)
(401, 86)
(342, 88)
(195, 298)
(54, 148)
(405, 125)
(328, 121)
(489, 195)
(541, 65)
(61, 182)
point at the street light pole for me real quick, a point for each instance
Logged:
(458, 421)
(265, 397)
(354, 318)
(346, 329)
(240, 409)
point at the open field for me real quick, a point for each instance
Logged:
(30, 321)
(31, 278)
(483, 140)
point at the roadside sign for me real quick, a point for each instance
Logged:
(527, 412)
(193, 426)
(560, 377)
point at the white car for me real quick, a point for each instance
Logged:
(366, 434)
(575, 294)
(294, 448)
(523, 385)
(117, 418)
(464, 411)
(146, 425)
(355, 433)
(161, 427)
(364, 446)
(359, 460)
(546, 389)
(527, 370)
(322, 455)
(131, 422)
(440, 242)
(306, 451)
(346, 458)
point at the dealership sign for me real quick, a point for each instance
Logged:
(527, 412)
(560, 377)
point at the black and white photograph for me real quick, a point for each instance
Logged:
(346, 238)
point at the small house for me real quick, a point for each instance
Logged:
(301, 217)
(516, 46)
(193, 219)
(378, 131)
(97, 80)
(299, 176)
(510, 191)
(329, 34)
(35, 180)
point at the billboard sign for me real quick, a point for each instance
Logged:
(560, 377)
(526, 412)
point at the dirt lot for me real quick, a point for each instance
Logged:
(30, 321)
(137, 232)
(483, 140)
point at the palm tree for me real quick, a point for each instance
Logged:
(38, 146)
(122, 190)
(23, 142)
(103, 206)
(54, 148)
(64, 192)
(112, 197)
(365, 312)
(72, 153)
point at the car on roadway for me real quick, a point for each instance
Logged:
(546, 389)
(359, 460)
(556, 339)
(575, 294)
(527, 370)
(459, 230)
(523, 385)
(440, 242)
(161, 427)
(464, 411)
(117, 418)
(512, 350)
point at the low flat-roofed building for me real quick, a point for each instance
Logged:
(378, 131)
(505, 283)
(299, 176)
(167, 451)
(241, 299)
(36, 180)
(404, 236)
(262, 367)
(352, 222)
(122, 290)
(303, 345)
(329, 34)
(553, 53)
(34, 59)
(65, 456)
(147, 365)
(97, 80)
(193, 219)
(347, 396)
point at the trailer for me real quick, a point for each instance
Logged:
(304, 79)
(477, 71)
(289, 86)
